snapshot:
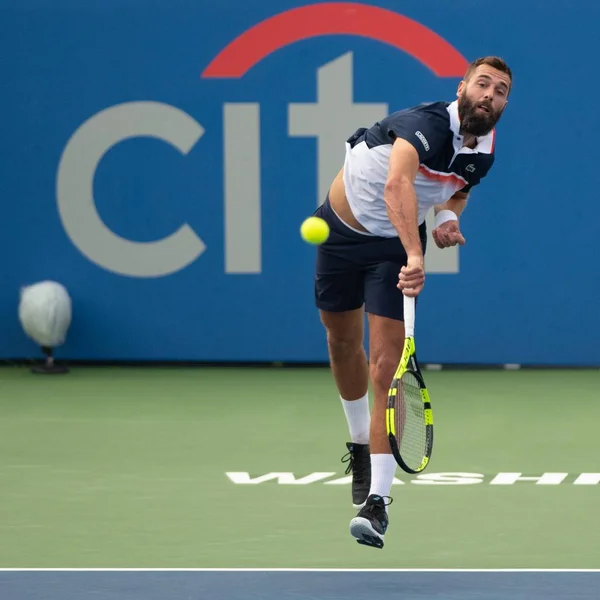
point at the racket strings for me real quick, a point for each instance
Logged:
(411, 432)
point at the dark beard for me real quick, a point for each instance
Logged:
(473, 122)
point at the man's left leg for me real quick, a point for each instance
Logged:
(386, 341)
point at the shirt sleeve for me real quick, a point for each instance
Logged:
(484, 164)
(427, 130)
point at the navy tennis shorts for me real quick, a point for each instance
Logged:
(355, 269)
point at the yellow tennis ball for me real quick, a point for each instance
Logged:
(314, 230)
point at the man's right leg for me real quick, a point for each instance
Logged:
(339, 296)
(350, 370)
(347, 353)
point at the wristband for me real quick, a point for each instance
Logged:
(445, 215)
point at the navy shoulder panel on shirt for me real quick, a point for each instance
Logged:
(425, 126)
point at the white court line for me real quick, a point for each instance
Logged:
(292, 570)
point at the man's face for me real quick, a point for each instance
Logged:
(482, 99)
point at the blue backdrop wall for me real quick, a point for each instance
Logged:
(159, 157)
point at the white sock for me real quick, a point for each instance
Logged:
(383, 469)
(359, 418)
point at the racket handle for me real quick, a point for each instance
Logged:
(409, 316)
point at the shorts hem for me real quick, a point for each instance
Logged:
(336, 309)
(380, 313)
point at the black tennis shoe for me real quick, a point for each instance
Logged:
(371, 522)
(359, 464)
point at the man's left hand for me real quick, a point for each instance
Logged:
(448, 234)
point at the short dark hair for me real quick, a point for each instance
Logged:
(493, 61)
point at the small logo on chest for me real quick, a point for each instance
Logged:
(470, 168)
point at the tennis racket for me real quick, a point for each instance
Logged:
(409, 418)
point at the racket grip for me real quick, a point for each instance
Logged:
(409, 316)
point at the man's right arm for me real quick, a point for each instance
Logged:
(402, 208)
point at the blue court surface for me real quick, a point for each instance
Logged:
(298, 585)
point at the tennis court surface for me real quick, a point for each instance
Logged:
(237, 468)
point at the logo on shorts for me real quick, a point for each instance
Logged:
(470, 168)
(424, 140)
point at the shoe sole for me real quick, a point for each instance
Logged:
(362, 530)
(359, 506)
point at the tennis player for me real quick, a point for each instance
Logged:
(427, 156)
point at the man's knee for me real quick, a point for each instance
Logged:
(344, 331)
(386, 344)
(382, 367)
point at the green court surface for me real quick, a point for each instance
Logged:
(135, 467)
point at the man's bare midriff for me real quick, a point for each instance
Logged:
(339, 202)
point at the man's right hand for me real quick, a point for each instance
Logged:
(411, 278)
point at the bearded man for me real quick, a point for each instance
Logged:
(424, 157)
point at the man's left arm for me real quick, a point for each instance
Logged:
(447, 231)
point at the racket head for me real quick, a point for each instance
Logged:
(409, 416)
